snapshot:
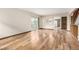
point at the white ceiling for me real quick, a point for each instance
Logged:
(48, 11)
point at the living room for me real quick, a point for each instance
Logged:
(25, 26)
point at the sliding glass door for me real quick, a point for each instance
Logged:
(34, 23)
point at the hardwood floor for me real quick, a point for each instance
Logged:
(15, 42)
(42, 39)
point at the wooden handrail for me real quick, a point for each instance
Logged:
(75, 15)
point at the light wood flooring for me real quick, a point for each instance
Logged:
(42, 39)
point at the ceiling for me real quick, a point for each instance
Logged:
(48, 11)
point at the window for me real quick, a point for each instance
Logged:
(52, 23)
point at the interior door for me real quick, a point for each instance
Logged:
(63, 22)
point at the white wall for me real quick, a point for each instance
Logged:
(68, 22)
(14, 21)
